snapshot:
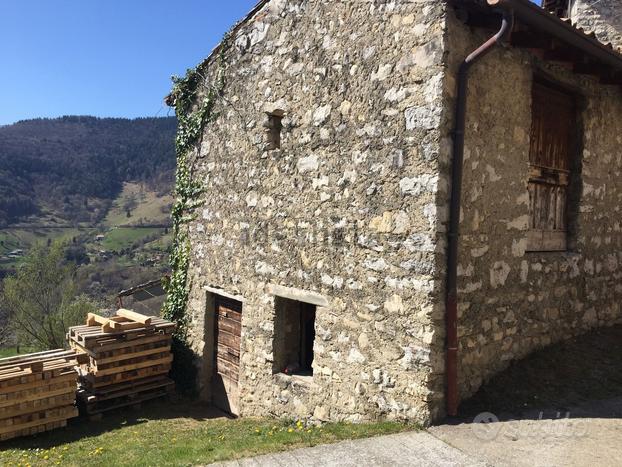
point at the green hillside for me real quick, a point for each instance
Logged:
(102, 186)
(67, 171)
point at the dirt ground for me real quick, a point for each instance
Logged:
(560, 406)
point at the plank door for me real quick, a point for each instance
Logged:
(228, 328)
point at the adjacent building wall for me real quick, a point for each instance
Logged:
(603, 17)
(510, 301)
(349, 208)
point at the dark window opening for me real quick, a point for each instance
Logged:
(552, 164)
(294, 334)
(558, 7)
(274, 127)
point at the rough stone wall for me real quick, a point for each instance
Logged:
(603, 17)
(350, 207)
(511, 301)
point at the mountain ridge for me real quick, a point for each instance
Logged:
(71, 168)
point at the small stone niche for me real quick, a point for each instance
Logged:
(274, 127)
(294, 334)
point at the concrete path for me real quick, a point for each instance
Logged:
(587, 435)
(540, 443)
(591, 435)
(405, 449)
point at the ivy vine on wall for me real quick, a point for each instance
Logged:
(194, 100)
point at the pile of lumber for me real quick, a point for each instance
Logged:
(38, 392)
(129, 360)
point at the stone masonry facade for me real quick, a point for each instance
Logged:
(511, 301)
(602, 17)
(347, 208)
(350, 213)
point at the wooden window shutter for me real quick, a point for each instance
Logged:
(552, 133)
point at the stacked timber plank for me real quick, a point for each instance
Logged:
(129, 360)
(38, 392)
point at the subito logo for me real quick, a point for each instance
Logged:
(486, 426)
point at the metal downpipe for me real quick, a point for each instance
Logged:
(451, 299)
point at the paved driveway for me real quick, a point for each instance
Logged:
(590, 436)
(405, 449)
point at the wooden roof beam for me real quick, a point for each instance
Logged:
(531, 40)
(563, 53)
(586, 67)
(614, 79)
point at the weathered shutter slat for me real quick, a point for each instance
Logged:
(553, 117)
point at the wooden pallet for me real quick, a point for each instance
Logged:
(129, 358)
(38, 391)
(92, 337)
(123, 395)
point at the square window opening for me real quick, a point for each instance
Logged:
(294, 334)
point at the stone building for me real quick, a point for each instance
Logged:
(327, 278)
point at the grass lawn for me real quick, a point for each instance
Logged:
(175, 434)
(12, 239)
(124, 237)
(6, 352)
(150, 207)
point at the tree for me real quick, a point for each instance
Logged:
(41, 298)
(130, 204)
(77, 255)
(5, 331)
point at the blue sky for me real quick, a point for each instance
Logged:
(102, 57)
(110, 58)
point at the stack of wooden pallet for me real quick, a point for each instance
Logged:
(38, 392)
(129, 360)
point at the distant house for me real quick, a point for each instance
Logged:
(100, 237)
(103, 254)
(380, 235)
(15, 253)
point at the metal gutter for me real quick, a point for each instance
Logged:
(451, 299)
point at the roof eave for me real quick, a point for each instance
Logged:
(530, 14)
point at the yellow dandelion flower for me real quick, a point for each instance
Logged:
(46, 457)
(291, 430)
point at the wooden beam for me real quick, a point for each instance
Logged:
(612, 79)
(129, 314)
(93, 320)
(563, 53)
(590, 68)
(531, 40)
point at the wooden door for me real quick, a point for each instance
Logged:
(227, 328)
